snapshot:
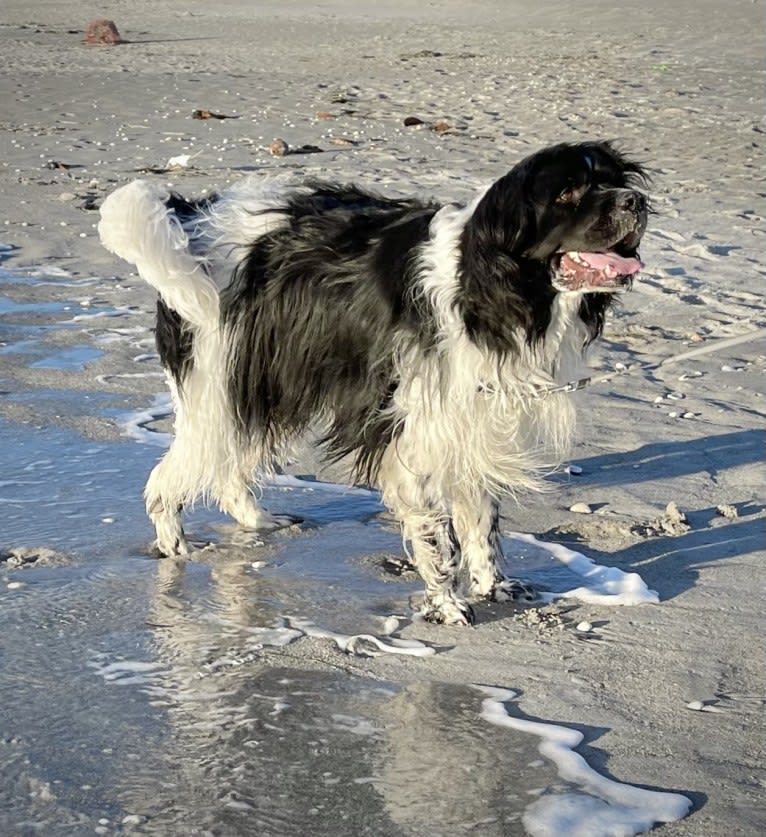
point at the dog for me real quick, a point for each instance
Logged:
(423, 339)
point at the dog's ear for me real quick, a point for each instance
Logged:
(497, 299)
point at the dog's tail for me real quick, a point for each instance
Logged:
(137, 225)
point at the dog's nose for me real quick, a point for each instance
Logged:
(634, 202)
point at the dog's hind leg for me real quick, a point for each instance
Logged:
(427, 527)
(477, 526)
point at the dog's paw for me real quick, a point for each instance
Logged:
(447, 609)
(512, 590)
(171, 539)
(169, 547)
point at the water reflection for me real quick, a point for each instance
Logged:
(270, 738)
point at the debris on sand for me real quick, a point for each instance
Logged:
(673, 522)
(278, 148)
(344, 141)
(546, 618)
(209, 114)
(727, 511)
(598, 526)
(30, 556)
(103, 33)
(181, 161)
(440, 126)
(57, 165)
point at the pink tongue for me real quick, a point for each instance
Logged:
(611, 264)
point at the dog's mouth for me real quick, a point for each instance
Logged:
(578, 271)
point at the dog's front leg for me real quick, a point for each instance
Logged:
(427, 527)
(165, 493)
(436, 555)
(477, 527)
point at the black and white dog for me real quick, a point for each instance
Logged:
(420, 337)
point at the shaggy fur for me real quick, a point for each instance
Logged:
(420, 338)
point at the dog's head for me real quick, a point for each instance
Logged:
(586, 215)
(578, 210)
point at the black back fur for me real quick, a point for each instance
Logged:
(313, 310)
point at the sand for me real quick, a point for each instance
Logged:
(670, 696)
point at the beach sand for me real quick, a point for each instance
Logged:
(669, 696)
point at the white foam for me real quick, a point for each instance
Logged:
(135, 424)
(360, 643)
(117, 311)
(121, 376)
(289, 481)
(128, 672)
(604, 807)
(605, 585)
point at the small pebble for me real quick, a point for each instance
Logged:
(133, 819)
(390, 624)
(575, 470)
(278, 148)
(676, 396)
(696, 705)
(687, 415)
(584, 627)
(107, 520)
(15, 585)
(581, 508)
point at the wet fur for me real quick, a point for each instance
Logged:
(415, 335)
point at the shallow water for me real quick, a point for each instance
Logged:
(206, 697)
(130, 692)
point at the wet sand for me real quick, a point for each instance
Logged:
(150, 697)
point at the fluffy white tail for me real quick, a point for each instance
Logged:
(137, 226)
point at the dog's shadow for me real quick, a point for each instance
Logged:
(664, 460)
(670, 563)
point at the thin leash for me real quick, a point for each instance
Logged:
(644, 366)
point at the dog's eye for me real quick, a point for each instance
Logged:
(572, 194)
